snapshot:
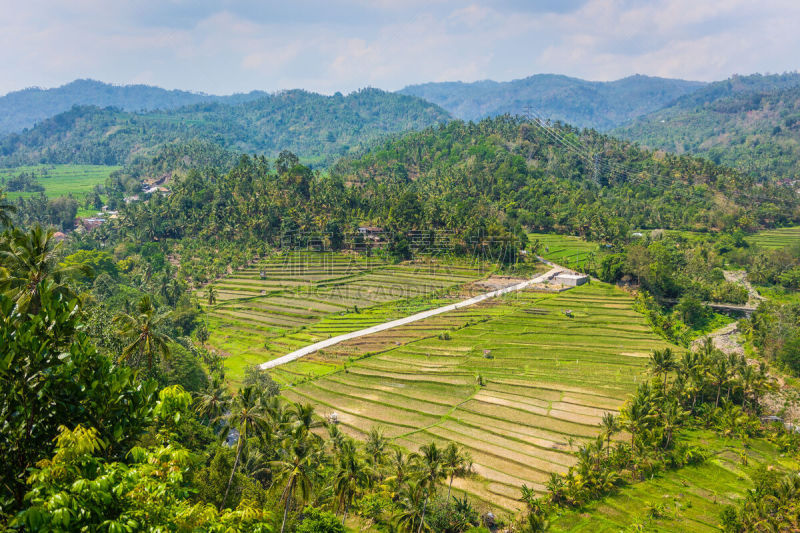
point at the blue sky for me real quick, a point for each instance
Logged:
(326, 46)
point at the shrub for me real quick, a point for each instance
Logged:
(317, 521)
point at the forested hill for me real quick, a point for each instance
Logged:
(599, 105)
(319, 128)
(751, 123)
(499, 177)
(22, 109)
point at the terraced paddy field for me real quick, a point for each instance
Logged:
(691, 498)
(288, 301)
(516, 381)
(566, 250)
(776, 238)
(60, 180)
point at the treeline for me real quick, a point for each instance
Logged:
(320, 128)
(501, 177)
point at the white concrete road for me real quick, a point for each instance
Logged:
(311, 348)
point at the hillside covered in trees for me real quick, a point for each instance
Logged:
(750, 123)
(22, 109)
(589, 104)
(500, 176)
(320, 128)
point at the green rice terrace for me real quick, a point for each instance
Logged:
(287, 301)
(688, 499)
(60, 180)
(566, 250)
(776, 238)
(519, 381)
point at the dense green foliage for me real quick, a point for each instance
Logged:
(22, 109)
(749, 123)
(508, 165)
(320, 128)
(587, 104)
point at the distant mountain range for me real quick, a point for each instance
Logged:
(22, 109)
(590, 104)
(748, 122)
(316, 127)
(751, 123)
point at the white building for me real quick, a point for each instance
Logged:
(570, 279)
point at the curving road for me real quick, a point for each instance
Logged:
(311, 348)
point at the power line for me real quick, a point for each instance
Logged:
(587, 154)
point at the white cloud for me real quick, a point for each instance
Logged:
(326, 47)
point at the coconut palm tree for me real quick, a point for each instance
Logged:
(248, 417)
(410, 504)
(609, 426)
(6, 210)
(214, 401)
(637, 413)
(400, 465)
(30, 258)
(142, 331)
(430, 462)
(352, 476)
(296, 468)
(375, 447)
(661, 363)
(457, 462)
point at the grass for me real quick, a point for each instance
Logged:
(61, 180)
(690, 499)
(293, 299)
(566, 250)
(516, 382)
(776, 238)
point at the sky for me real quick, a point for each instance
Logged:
(325, 46)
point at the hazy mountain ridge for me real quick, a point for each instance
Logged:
(599, 105)
(22, 109)
(748, 122)
(317, 127)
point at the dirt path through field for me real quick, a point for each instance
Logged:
(311, 348)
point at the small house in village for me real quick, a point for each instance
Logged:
(372, 233)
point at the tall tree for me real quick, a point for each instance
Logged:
(247, 416)
(143, 331)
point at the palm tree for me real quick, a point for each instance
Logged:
(214, 401)
(305, 420)
(636, 413)
(296, 468)
(212, 295)
(672, 416)
(411, 507)
(375, 447)
(661, 363)
(400, 466)
(352, 475)
(142, 330)
(6, 209)
(456, 462)
(430, 463)
(610, 426)
(30, 259)
(247, 416)
(719, 373)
